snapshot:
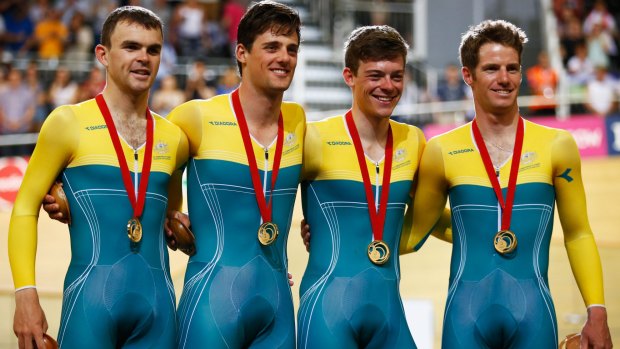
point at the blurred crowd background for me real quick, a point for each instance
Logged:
(47, 59)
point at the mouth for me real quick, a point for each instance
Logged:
(280, 71)
(504, 92)
(384, 99)
(141, 72)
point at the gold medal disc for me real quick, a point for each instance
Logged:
(378, 252)
(134, 230)
(505, 241)
(267, 233)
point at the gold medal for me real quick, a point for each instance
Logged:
(267, 233)
(505, 241)
(378, 252)
(134, 230)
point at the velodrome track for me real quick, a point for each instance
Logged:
(424, 274)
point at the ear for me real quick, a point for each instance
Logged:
(348, 76)
(101, 52)
(240, 53)
(468, 77)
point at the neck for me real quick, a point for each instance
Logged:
(495, 126)
(125, 106)
(372, 129)
(373, 132)
(260, 109)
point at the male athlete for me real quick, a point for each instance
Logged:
(357, 179)
(115, 159)
(246, 151)
(504, 175)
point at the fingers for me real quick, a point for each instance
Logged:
(290, 279)
(169, 236)
(48, 199)
(40, 344)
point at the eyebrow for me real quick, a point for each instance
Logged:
(132, 42)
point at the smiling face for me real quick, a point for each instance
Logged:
(133, 57)
(496, 79)
(270, 64)
(377, 86)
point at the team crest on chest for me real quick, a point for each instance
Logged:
(400, 155)
(161, 147)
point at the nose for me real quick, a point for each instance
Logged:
(283, 55)
(387, 84)
(502, 76)
(143, 55)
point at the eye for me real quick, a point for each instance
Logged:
(154, 51)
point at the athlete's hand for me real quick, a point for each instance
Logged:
(595, 333)
(29, 322)
(305, 233)
(170, 240)
(53, 208)
(290, 279)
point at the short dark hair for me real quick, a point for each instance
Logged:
(130, 14)
(267, 15)
(489, 31)
(373, 43)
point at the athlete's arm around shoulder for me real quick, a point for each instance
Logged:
(429, 201)
(189, 117)
(578, 237)
(56, 146)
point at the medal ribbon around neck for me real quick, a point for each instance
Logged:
(514, 171)
(264, 207)
(377, 217)
(136, 203)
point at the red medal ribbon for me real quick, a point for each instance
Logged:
(264, 207)
(137, 204)
(377, 218)
(514, 171)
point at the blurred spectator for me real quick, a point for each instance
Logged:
(167, 96)
(413, 94)
(198, 84)
(19, 29)
(228, 81)
(380, 14)
(167, 64)
(99, 11)
(580, 69)
(232, 12)
(160, 7)
(16, 107)
(571, 38)
(451, 87)
(51, 35)
(601, 98)
(543, 82)
(599, 15)
(80, 41)
(93, 85)
(216, 41)
(63, 89)
(188, 21)
(600, 46)
(68, 8)
(33, 83)
(38, 10)
(575, 6)
(3, 82)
